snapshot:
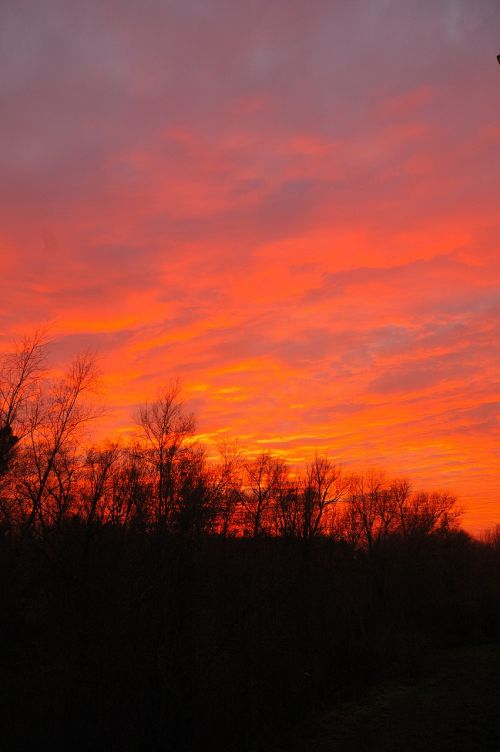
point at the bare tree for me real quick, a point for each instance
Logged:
(195, 501)
(372, 510)
(55, 420)
(131, 489)
(401, 492)
(227, 487)
(491, 537)
(63, 488)
(377, 509)
(166, 426)
(20, 373)
(288, 508)
(430, 513)
(263, 477)
(97, 481)
(324, 486)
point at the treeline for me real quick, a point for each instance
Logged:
(153, 599)
(164, 482)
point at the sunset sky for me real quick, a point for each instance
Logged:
(291, 205)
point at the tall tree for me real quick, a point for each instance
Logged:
(20, 373)
(55, 420)
(263, 478)
(166, 425)
(324, 486)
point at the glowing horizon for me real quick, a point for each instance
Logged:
(293, 207)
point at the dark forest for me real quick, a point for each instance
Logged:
(152, 598)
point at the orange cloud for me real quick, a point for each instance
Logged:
(295, 212)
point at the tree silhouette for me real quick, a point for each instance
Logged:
(54, 420)
(166, 425)
(20, 373)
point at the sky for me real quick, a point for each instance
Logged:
(291, 206)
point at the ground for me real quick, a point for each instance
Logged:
(455, 707)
